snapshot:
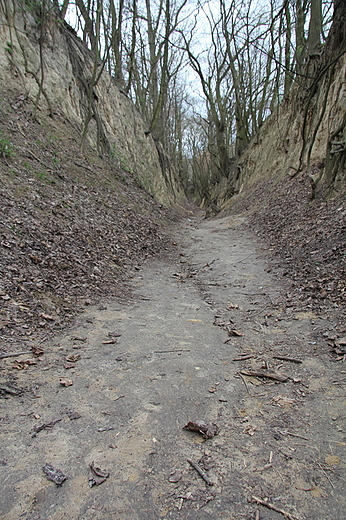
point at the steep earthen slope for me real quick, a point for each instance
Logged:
(72, 225)
(73, 221)
(292, 186)
(48, 63)
(304, 121)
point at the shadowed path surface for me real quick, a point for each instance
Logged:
(172, 355)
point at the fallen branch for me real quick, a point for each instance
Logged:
(262, 373)
(285, 358)
(200, 472)
(44, 426)
(245, 383)
(274, 508)
(85, 167)
(168, 351)
(14, 354)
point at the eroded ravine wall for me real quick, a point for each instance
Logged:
(67, 69)
(278, 146)
(281, 147)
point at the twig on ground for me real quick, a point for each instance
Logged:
(168, 351)
(325, 474)
(200, 472)
(85, 167)
(243, 358)
(119, 397)
(295, 435)
(14, 354)
(274, 508)
(245, 383)
(286, 358)
(257, 313)
(262, 373)
(44, 426)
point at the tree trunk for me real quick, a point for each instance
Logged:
(315, 28)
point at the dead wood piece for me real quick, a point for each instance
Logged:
(243, 358)
(295, 435)
(54, 474)
(169, 351)
(23, 364)
(234, 332)
(264, 373)
(45, 426)
(14, 354)
(97, 475)
(201, 472)
(274, 508)
(286, 358)
(207, 430)
(37, 351)
(72, 358)
(7, 388)
(85, 167)
(245, 383)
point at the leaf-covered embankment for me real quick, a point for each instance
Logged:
(72, 224)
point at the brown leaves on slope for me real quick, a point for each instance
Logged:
(68, 234)
(310, 237)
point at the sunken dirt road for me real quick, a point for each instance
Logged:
(193, 344)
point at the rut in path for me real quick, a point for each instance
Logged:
(174, 354)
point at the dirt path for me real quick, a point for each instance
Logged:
(173, 355)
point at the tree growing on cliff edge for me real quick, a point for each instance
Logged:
(245, 55)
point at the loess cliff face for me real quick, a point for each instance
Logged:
(304, 139)
(306, 135)
(59, 76)
(292, 187)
